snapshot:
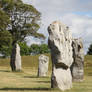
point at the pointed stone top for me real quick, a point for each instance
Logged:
(59, 23)
(57, 26)
(42, 56)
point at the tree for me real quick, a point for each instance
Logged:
(5, 36)
(5, 43)
(4, 20)
(90, 50)
(24, 49)
(39, 49)
(24, 21)
(35, 49)
(44, 49)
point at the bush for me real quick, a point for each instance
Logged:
(24, 49)
(90, 50)
(39, 49)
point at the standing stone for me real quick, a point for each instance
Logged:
(60, 43)
(43, 65)
(15, 58)
(77, 67)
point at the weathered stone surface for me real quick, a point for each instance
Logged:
(61, 78)
(77, 67)
(15, 58)
(43, 65)
(60, 43)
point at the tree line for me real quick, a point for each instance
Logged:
(34, 49)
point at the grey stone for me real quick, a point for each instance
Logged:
(15, 58)
(60, 43)
(43, 65)
(77, 67)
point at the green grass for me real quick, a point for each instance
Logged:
(27, 80)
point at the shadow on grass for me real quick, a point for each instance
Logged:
(22, 89)
(42, 81)
(31, 77)
(89, 74)
(4, 71)
(34, 77)
(18, 71)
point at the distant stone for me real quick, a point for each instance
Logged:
(60, 43)
(77, 67)
(43, 65)
(15, 58)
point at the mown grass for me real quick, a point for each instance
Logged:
(27, 62)
(27, 80)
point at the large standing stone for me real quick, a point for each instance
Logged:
(77, 67)
(60, 43)
(43, 65)
(15, 58)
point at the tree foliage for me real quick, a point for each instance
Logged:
(5, 43)
(90, 50)
(4, 20)
(24, 19)
(44, 49)
(17, 20)
(35, 49)
(24, 49)
(39, 49)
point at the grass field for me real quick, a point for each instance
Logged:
(27, 80)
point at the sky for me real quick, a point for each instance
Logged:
(77, 14)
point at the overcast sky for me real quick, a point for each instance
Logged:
(77, 14)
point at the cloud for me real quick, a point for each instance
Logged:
(29, 1)
(77, 14)
(81, 26)
(31, 40)
(64, 5)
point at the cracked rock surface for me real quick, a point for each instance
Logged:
(60, 44)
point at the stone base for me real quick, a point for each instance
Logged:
(61, 79)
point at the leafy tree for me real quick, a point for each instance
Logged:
(5, 43)
(44, 49)
(90, 50)
(4, 20)
(39, 49)
(24, 19)
(24, 49)
(5, 36)
(35, 49)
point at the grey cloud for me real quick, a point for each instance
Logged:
(64, 5)
(81, 26)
